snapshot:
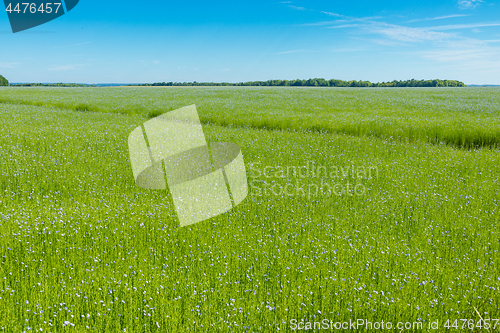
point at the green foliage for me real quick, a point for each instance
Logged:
(3, 81)
(318, 82)
(154, 114)
(83, 107)
(53, 85)
(81, 245)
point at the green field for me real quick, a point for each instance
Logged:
(460, 117)
(82, 248)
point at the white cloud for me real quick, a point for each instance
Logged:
(463, 26)
(332, 14)
(345, 19)
(8, 64)
(297, 8)
(469, 58)
(447, 55)
(402, 33)
(385, 42)
(322, 23)
(406, 34)
(439, 18)
(469, 4)
(348, 26)
(443, 44)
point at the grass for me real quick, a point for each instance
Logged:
(82, 107)
(81, 245)
(466, 117)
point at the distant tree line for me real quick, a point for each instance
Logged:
(52, 85)
(269, 83)
(318, 83)
(3, 81)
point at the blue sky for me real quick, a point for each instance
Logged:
(132, 42)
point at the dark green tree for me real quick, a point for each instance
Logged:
(320, 82)
(3, 81)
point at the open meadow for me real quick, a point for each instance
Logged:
(395, 218)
